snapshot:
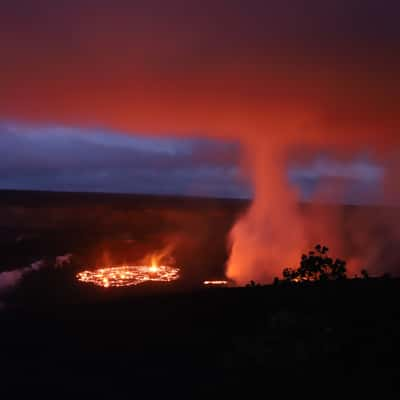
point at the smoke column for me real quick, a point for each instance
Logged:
(270, 233)
(275, 230)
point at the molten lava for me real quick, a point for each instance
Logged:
(215, 283)
(128, 275)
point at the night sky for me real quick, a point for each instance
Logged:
(159, 97)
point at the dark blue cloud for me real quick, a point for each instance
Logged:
(60, 158)
(71, 159)
(355, 181)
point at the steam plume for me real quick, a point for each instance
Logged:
(270, 233)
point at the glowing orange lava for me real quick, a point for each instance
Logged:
(129, 275)
(215, 283)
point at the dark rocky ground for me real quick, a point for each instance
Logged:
(317, 340)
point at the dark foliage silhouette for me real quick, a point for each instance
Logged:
(253, 284)
(364, 274)
(316, 266)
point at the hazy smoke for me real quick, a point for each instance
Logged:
(276, 229)
(270, 233)
(61, 261)
(9, 279)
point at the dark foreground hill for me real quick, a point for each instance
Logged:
(342, 338)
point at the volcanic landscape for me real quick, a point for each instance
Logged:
(182, 334)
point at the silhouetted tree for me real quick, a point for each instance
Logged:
(364, 273)
(253, 284)
(316, 266)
